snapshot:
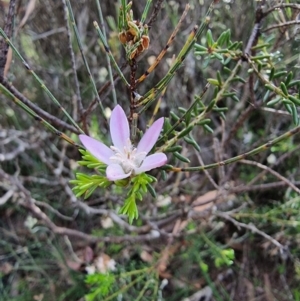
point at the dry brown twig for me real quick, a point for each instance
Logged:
(285, 24)
(273, 172)
(27, 201)
(253, 229)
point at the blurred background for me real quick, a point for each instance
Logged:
(231, 233)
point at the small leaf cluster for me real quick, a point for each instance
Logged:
(101, 285)
(181, 124)
(141, 184)
(225, 259)
(280, 86)
(85, 185)
(178, 127)
(222, 49)
(225, 51)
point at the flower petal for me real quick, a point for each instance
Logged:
(115, 172)
(150, 137)
(151, 162)
(97, 148)
(119, 127)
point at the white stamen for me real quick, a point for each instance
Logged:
(128, 158)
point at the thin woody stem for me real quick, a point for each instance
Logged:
(111, 78)
(155, 12)
(288, 23)
(84, 58)
(163, 52)
(151, 95)
(18, 95)
(8, 28)
(207, 109)
(36, 77)
(72, 55)
(242, 156)
(273, 172)
(282, 5)
(107, 50)
(181, 119)
(37, 117)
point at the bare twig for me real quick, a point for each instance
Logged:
(17, 151)
(260, 187)
(276, 163)
(252, 228)
(211, 180)
(56, 212)
(110, 72)
(54, 120)
(256, 29)
(282, 5)
(8, 30)
(273, 172)
(71, 52)
(26, 200)
(288, 23)
(6, 197)
(155, 12)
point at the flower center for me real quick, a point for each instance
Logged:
(128, 158)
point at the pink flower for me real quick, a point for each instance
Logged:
(122, 159)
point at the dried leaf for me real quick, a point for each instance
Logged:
(107, 222)
(74, 265)
(146, 256)
(268, 289)
(6, 268)
(39, 297)
(166, 254)
(211, 198)
(204, 294)
(250, 289)
(29, 9)
(205, 201)
(88, 254)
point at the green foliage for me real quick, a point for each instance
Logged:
(229, 102)
(226, 258)
(90, 161)
(132, 284)
(221, 256)
(100, 285)
(296, 294)
(141, 184)
(87, 184)
(223, 49)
